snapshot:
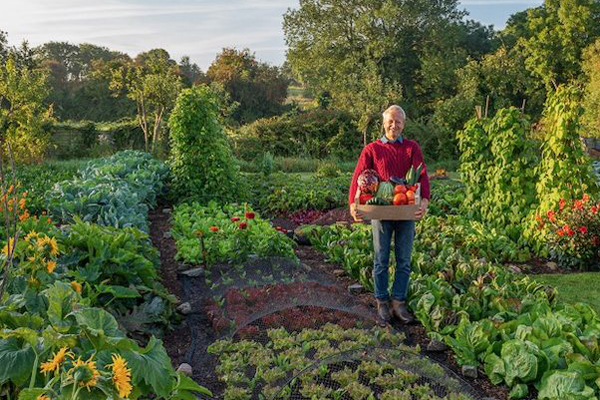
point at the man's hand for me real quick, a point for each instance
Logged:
(357, 215)
(422, 210)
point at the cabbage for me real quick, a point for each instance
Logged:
(368, 181)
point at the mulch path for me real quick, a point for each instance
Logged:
(178, 342)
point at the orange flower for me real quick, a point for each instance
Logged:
(76, 286)
(578, 205)
(51, 266)
(585, 198)
(560, 232)
(551, 216)
(57, 359)
(561, 204)
(214, 228)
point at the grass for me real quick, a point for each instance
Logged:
(573, 288)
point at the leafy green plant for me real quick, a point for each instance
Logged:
(230, 233)
(202, 165)
(565, 170)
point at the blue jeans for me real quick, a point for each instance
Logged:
(404, 232)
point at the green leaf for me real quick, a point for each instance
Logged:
(151, 365)
(519, 391)
(98, 322)
(564, 385)
(61, 297)
(16, 361)
(186, 385)
(31, 394)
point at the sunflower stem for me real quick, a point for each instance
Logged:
(34, 371)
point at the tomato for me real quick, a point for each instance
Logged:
(410, 195)
(399, 189)
(400, 199)
(364, 198)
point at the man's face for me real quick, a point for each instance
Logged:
(393, 125)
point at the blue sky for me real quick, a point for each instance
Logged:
(197, 28)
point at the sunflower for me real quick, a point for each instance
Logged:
(57, 359)
(31, 235)
(51, 266)
(53, 246)
(87, 373)
(9, 246)
(121, 375)
(42, 397)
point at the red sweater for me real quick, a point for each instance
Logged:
(390, 159)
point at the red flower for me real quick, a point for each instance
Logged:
(235, 219)
(595, 240)
(583, 229)
(561, 204)
(594, 210)
(578, 205)
(243, 225)
(249, 215)
(551, 216)
(214, 228)
(560, 232)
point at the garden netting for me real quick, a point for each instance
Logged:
(279, 329)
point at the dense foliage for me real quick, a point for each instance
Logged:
(574, 232)
(258, 88)
(283, 193)
(229, 233)
(22, 113)
(316, 133)
(116, 191)
(565, 171)
(201, 161)
(498, 167)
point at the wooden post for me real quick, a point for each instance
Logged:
(478, 111)
(523, 106)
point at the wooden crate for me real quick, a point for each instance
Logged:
(390, 213)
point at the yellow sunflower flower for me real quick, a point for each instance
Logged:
(54, 363)
(51, 266)
(88, 373)
(76, 286)
(42, 397)
(53, 246)
(31, 235)
(121, 375)
(8, 247)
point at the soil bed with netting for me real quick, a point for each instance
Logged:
(249, 305)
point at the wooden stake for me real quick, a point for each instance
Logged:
(523, 106)
(478, 111)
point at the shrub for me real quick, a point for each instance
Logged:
(203, 167)
(574, 232)
(315, 133)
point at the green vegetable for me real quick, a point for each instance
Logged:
(385, 191)
(377, 201)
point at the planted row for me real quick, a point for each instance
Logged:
(115, 191)
(225, 233)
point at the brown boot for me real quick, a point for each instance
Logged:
(383, 312)
(401, 312)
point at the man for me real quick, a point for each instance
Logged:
(392, 156)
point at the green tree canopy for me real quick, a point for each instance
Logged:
(260, 89)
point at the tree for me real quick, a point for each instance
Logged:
(591, 102)
(260, 89)
(190, 73)
(558, 33)
(339, 45)
(22, 114)
(153, 83)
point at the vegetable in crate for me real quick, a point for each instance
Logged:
(385, 191)
(368, 182)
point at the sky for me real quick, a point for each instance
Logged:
(196, 28)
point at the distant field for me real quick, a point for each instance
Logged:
(298, 94)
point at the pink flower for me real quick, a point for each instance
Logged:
(235, 219)
(583, 229)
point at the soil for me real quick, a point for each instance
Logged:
(188, 342)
